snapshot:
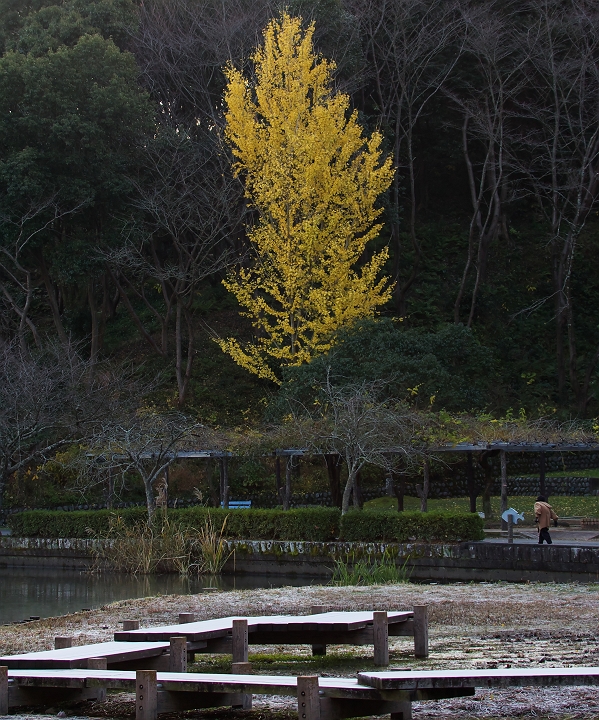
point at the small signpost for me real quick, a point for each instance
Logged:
(511, 517)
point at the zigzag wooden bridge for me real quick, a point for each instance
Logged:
(168, 647)
(156, 692)
(317, 698)
(317, 629)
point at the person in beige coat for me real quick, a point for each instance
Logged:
(544, 514)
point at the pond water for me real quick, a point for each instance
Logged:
(32, 592)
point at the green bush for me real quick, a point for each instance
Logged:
(404, 527)
(72, 524)
(300, 524)
(317, 524)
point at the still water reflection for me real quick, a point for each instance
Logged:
(26, 592)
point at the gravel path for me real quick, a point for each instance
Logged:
(472, 625)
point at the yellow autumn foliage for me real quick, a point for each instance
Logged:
(314, 180)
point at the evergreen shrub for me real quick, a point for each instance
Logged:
(309, 524)
(411, 526)
(320, 524)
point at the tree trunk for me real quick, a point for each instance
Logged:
(349, 485)
(334, 463)
(150, 499)
(423, 490)
(400, 490)
(357, 492)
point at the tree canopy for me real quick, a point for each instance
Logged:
(314, 180)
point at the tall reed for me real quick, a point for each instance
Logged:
(163, 546)
(381, 570)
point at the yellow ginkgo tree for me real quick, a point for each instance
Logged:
(314, 179)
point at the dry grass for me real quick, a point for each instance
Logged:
(480, 626)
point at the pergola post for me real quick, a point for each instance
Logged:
(504, 499)
(472, 493)
(542, 484)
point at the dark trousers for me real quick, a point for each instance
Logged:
(544, 535)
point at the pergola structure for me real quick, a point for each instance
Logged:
(502, 448)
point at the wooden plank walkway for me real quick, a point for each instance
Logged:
(77, 657)
(156, 692)
(318, 630)
(499, 678)
(208, 629)
(169, 647)
(318, 698)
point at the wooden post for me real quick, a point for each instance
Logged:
(421, 631)
(510, 530)
(224, 481)
(503, 458)
(318, 649)
(63, 642)
(186, 618)
(177, 661)
(287, 492)
(542, 484)
(146, 695)
(98, 663)
(3, 690)
(405, 714)
(240, 641)
(278, 480)
(381, 638)
(471, 484)
(130, 624)
(243, 668)
(308, 700)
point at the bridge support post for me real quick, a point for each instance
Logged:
(381, 638)
(308, 700)
(177, 661)
(3, 690)
(319, 649)
(98, 663)
(240, 641)
(421, 631)
(146, 695)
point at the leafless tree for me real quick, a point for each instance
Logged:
(412, 47)
(485, 93)
(559, 154)
(147, 442)
(359, 423)
(190, 216)
(49, 399)
(22, 265)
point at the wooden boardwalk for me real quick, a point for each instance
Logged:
(317, 698)
(169, 647)
(115, 653)
(500, 678)
(156, 692)
(318, 630)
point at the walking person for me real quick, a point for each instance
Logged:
(544, 514)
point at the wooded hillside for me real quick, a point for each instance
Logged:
(120, 215)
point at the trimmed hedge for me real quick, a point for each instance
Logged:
(319, 524)
(70, 524)
(405, 527)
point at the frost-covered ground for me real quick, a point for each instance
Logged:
(472, 625)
